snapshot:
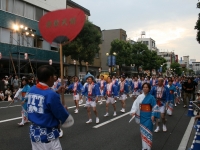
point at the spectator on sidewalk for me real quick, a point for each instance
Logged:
(15, 83)
(10, 82)
(6, 83)
(188, 91)
(194, 90)
(8, 94)
(2, 96)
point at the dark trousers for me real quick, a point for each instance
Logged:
(187, 95)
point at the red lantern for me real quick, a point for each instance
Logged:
(50, 61)
(25, 56)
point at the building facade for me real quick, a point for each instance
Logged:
(170, 57)
(196, 67)
(19, 34)
(107, 37)
(151, 44)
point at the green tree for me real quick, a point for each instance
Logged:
(176, 67)
(123, 50)
(139, 55)
(85, 46)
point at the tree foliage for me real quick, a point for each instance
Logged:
(85, 46)
(176, 67)
(137, 54)
(123, 50)
(197, 27)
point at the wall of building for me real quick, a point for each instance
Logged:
(107, 37)
(49, 5)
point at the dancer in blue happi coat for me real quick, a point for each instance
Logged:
(161, 94)
(172, 92)
(123, 91)
(153, 81)
(91, 91)
(146, 110)
(110, 92)
(77, 89)
(136, 87)
(102, 84)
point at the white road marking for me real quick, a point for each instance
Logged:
(2, 121)
(185, 139)
(10, 106)
(4, 102)
(111, 120)
(10, 119)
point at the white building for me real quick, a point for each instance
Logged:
(170, 57)
(185, 61)
(151, 44)
(196, 67)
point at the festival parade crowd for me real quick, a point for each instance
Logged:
(153, 98)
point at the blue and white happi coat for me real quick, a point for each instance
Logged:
(144, 118)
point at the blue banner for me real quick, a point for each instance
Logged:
(160, 69)
(111, 60)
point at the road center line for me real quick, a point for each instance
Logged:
(10, 106)
(2, 121)
(111, 120)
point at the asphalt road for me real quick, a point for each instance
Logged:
(115, 135)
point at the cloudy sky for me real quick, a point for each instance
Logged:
(169, 22)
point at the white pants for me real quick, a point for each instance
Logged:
(122, 97)
(53, 145)
(76, 97)
(90, 103)
(136, 93)
(110, 100)
(162, 109)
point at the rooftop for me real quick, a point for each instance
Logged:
(75, 5)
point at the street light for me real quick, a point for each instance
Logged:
(75, 67)
(99, 70)
(21, 30)
(111, 64)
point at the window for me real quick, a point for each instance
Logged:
(5, 35)
(7, 5)
(153, 44)
(19, 8)
(38, 42)
(38, 13)
(124, 37)
(146, 42)
(54, 46)
(45, 45)
(29, 11)
(97, 55)
(45, 11)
